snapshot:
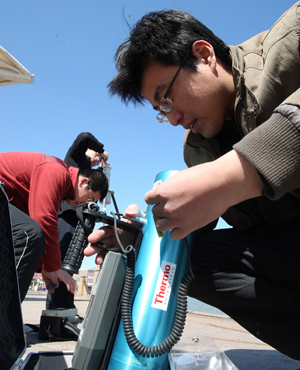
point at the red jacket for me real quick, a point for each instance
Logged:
(36, 184)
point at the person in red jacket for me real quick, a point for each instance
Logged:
(36, 184)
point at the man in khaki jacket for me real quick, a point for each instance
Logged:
(239, 106)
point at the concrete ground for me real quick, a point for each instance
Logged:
(241, 347)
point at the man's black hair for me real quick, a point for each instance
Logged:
(97, 180)
(164, 37)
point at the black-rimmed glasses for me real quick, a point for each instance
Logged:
(165, 102)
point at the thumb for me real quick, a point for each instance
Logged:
(133, 211)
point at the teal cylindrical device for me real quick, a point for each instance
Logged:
(160, 266)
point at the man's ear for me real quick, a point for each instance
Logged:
(83, 181)
(205, 52)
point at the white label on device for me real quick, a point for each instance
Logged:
(164, 286)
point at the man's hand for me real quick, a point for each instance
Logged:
(67, 279)
(51, 280)
(107, 236)
(104, 158)
(199, 195)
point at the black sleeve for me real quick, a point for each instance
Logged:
(76, 152)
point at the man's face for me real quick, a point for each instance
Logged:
(201, 100)
(83, 194)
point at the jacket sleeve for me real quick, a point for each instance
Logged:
(49, 183)
(273, 148)
(84, 141)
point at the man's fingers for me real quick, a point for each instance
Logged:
(71, 285)
(100, 258)
(90, 250)
(51, 289)
(162, 224)
(54, 280)
(101, 234)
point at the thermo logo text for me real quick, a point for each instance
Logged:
(164, 286)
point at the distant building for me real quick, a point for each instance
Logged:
(90, 277)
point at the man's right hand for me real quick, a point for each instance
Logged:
(67, 279)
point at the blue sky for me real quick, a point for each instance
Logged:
(69, 46)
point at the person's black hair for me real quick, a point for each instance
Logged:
(97, 180)
(165, 37)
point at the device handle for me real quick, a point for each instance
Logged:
(74, 256)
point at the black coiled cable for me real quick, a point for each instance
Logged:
(126, 309)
